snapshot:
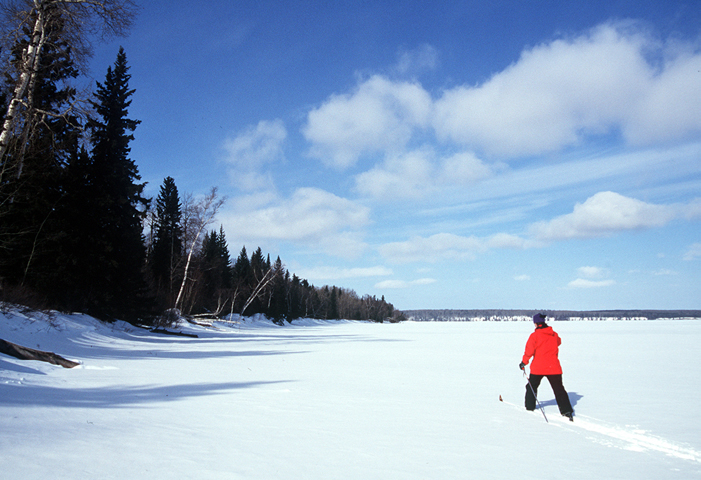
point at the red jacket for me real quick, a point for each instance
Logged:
(543, 346)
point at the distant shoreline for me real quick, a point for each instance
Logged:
(505, 315)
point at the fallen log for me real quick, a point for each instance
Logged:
(169, 332)
(26, 353)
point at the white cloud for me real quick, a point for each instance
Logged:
(671, 106)
(411, 62)
(559, 92)
(613, 78)
(693, 252)
(310, 216)
(506, 240)
(447, 246)
(335, 273)
(692, 211)
(251, 150)
(593, 277)
(522, 278)
(551, 96)
(584, 283)
(591, 272)
(603, 214)
(463, 168)
(401, 176)
(664, 272)
(380, 115)
(396, 284)
(442, 246)
(420, 172)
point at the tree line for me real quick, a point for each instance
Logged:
(210, 282)
(77, 232)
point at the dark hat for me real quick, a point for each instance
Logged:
(538, 318)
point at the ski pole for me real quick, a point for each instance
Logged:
(535, 396)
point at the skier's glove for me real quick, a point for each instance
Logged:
(521, 365)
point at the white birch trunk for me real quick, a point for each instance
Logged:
(209, 209)
(30, 64)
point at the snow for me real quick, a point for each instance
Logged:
(346, 400)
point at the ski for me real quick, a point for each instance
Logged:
(570, 417)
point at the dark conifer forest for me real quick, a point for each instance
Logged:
(77, 232)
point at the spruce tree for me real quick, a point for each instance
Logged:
(215, 264)
(277, 307)
(114, 254)
(225, 269)
(242, 273)
(167, 248)
(259, 267)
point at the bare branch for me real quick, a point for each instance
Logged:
(262, 284)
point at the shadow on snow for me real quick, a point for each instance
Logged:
(114, 397)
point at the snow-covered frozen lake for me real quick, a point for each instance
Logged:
(348, 400)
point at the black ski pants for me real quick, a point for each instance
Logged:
(563, 400)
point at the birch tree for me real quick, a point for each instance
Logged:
(199, 216)
(28, 24)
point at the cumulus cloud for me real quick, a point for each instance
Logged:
(561, 91)
(420, 172)
(603, 214)
(251, 150)
(380, 115)
(310, 216)
(613, 78)
(403, 176)
(397, 284)
(462, 169)
(671, 106)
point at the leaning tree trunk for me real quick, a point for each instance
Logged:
(26, 353)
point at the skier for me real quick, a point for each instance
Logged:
(543, 346)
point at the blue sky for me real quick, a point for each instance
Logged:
(507, 154)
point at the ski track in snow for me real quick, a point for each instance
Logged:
(629, 437)
(634, 439)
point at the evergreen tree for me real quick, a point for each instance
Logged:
(167, 247)
(277, 301)
(259, 267)
(110, 267)
(241, 278)
(258, 264)
(242, 266)
(215, 264)
(32, 190)
(295, 298)
(333, 304)
(224, 260)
